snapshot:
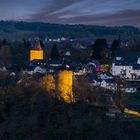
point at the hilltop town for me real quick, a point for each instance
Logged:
(97, 76)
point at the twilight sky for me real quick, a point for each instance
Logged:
(97, 12)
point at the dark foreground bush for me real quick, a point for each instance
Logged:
(29, 113)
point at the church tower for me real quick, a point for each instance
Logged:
(36, 52)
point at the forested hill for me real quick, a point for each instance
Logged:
(14, 30)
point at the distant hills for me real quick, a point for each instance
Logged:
(19, 30)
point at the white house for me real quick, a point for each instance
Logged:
(109, 84)
(130, 71)
(136, 71)
(122, 69)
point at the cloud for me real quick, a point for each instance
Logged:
(125, 17)
(100, 12)
(18, 10)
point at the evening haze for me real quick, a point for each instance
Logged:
(94, 12)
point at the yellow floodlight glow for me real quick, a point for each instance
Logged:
(36, 54)
(65, 86)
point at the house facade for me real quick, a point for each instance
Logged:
(126, 69)
(122, 69)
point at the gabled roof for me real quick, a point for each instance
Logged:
(136, 67)
(124, 63)
(127, 54)
(68, 53)
(37, 46)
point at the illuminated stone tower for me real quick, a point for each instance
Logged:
(36, 52)
(65, 86)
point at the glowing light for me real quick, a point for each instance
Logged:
(65, 86)
(126, 110)
(36, 54)
(48, 83)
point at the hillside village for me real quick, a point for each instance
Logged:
(100, 72)
(69, 70)
(98, 77)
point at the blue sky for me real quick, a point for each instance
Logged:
(97, 12)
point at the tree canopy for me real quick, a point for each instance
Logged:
(54, 54)
(114, 46)
(98, 47)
